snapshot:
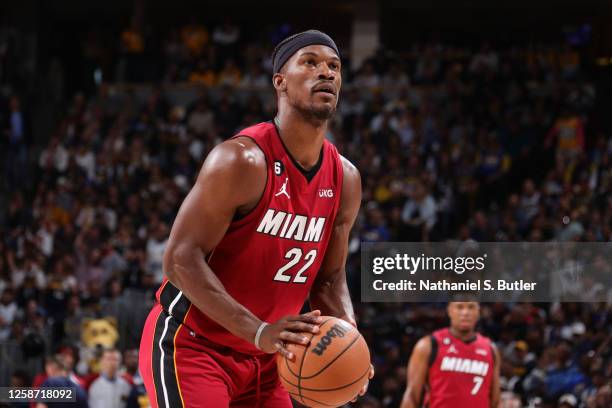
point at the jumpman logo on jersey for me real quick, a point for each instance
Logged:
(452, 349)
(283, 189)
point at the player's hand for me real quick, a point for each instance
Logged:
(289, 329)
(364, 389)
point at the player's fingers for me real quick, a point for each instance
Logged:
(357, 396)
(293, 337)
(302, 327)
(313, 313)
(371, 375)
(364, 390)
(311, 317)
(292, 318)
(280, 348)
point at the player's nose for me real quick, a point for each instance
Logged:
(325, 72)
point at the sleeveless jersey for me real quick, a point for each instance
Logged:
(461, 373)
(269, 259)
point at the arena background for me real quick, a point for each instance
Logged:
(452, 108)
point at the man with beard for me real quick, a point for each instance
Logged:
(265, 227)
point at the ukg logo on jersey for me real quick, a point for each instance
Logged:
(326, 193)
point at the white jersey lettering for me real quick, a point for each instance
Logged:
(271, 222)
(464, 365)
(296, 231)
(292, 226)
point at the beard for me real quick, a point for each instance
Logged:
(315, 113)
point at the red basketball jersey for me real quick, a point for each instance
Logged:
(461, 373)
(269, 259)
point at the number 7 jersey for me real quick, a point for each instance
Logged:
(461, 373)
(269, 259)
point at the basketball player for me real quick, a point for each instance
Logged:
(457, 366)
(264, 228)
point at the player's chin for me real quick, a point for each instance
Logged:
(323, 110)
(466, 326)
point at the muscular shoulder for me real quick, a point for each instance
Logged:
(240, 165)
(351, 192)
(240, 155)
(352, 178)
(423, 346)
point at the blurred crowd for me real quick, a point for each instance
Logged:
(489, 144)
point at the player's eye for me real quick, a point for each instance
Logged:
(310, 62)
(334, 66)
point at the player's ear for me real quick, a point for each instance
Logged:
(278, 80)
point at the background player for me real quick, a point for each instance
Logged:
(454, 364)
(241, 255)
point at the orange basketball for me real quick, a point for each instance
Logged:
(331, 370)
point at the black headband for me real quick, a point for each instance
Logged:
(289, 46)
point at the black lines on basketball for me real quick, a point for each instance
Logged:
(311, 336)
(334, 359)
(334, 366)
(328, 389)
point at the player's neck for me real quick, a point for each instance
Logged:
(463, 336)
(302, 138)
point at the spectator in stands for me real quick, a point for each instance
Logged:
(394, 81)
(255, 77)
(201, 121)
(225, 37)
(367, 79)
(195, 39)
(202, 74)
(418, 214)
(57, 376)
(8, 312)
(568, 130)
(16, 147)
(230, 75)
(109, 390)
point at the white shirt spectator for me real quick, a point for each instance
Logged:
(155, 254)
(106, 393)
(530, 204)
(56, 156)
(426, 210)
(45, 240)
(31, 270)
(196, 149)
(86, 160)
(7, 316)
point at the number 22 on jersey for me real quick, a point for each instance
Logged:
(295, 255)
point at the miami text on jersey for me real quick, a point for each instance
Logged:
(292, 226)
(464, 365)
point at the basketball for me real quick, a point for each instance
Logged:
(331, 370)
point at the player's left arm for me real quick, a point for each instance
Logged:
(330, 292)
(495, 387)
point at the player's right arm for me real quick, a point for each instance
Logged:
(418, 367)
(231, 181)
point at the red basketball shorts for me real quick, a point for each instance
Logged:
(181, 369)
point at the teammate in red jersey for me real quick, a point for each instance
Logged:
(264, 228)
(457, 366)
